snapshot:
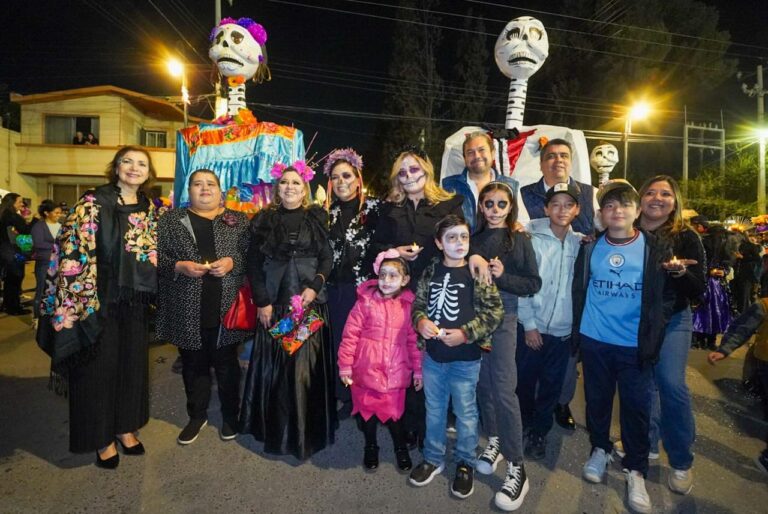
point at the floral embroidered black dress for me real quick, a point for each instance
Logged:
(96, 315)
(288, 400)
(351, 233)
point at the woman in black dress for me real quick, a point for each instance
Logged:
(288, 401)
(407, 220)
(96, 309)
(353, 218)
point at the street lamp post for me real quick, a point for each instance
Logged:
(176, 68)
(638, 111)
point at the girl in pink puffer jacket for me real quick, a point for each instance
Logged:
(378, 356)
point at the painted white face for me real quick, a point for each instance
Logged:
(391, 279)
(411, 176)
(522, 47)
(235, 51)
(455, 242)
(495, 208)
(604, 158)
(345, 183)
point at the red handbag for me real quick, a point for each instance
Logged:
(242, 314)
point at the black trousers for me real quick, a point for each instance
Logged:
(370, 427)
(109, 394)
(196, 373)
(14, 276)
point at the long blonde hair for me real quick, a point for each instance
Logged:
(432, 192)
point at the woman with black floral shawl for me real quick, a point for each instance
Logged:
(95, 322)
(353, 218)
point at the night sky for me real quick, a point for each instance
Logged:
(320, 58)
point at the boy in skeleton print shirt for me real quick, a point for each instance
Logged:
(455, 318)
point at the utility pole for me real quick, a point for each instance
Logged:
(758, 91)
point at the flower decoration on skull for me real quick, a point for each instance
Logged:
(604, 158)
(522, 47)
(237, 48)
(300, 167)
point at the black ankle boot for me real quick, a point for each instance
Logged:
(371, 457)
(403, 458)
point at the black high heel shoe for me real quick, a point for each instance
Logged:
(110, 463)
(136, 449)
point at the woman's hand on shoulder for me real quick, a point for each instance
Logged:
(191, 269)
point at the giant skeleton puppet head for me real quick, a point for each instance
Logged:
(521, 49)
(603, 159)
(237, 49)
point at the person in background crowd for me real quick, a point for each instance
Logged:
(12, 224)
(95, 322)
(43, 237)
(201, 266)
(90, 139)
(79, 139)
(746, 273)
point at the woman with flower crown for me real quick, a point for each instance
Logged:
(288, 401)
(353, 218)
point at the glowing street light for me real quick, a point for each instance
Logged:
(176, 69)
(638, 111)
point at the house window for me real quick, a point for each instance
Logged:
(153, 138)
(62, 130)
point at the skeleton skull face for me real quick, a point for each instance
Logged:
(235, 51)
(521, 47)
(604, 158)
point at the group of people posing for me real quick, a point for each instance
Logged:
(433, 305)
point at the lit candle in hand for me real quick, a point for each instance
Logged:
(414, 247)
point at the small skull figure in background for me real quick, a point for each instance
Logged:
(237, 49)
(603, 159)
(521, 49)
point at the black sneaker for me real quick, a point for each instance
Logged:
(536, 447)
(490, 457)
(464, 482)
(424, 473)
(512, 493)
(403, 459)
(191, 431)
(227, 432)
(564, 418)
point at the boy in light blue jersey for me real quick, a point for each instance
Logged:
(619, 320)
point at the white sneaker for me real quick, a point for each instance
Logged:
(594, 468)
(512, 493)
(680, 480)
(637, 497)
(618, 447)
(490, 458)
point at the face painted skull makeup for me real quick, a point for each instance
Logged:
(235, 52)
(603, 159)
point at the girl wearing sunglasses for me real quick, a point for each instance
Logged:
(512, 264)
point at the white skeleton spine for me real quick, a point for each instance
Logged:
(516, 103)
(444, 300)
(236, 99)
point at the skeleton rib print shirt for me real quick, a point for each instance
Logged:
(450, 305)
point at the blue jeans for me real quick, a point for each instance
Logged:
(671, 415)
(606, 366)
(455, 381)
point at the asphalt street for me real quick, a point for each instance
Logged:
(40, 475)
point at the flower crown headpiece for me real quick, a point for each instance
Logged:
(343, 154)
(305, 172)
(257, 31)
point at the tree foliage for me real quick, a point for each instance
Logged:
(734, 193)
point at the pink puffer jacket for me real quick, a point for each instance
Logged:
(378, 348)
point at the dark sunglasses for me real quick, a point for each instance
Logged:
(490, 203)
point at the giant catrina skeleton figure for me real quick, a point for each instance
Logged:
(237, 49)
(520, 51)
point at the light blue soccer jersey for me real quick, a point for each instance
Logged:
(614, 294)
